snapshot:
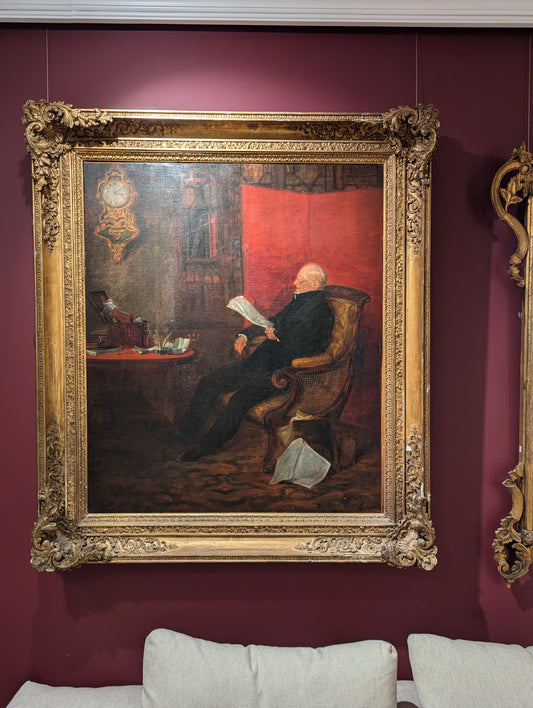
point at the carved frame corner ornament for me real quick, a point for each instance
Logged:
(51, 131)
(65, 144)
(412, 542)
(413, 134)
(57, 541)
(512, 189)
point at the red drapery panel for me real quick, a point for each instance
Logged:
(343, 232)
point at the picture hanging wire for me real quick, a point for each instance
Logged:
(46, 59)
(416, 68)
(529, 96)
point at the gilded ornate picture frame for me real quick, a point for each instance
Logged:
(147, 226)
(512, 197)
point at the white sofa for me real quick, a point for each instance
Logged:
(182, 672)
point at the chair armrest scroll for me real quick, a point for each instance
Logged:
(286, 379)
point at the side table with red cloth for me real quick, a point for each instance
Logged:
(130, 383)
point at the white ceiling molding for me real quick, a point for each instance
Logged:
(353, 13)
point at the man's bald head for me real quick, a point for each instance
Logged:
(310, 277)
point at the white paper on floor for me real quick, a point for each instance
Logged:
(300, 464)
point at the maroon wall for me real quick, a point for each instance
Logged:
(87, 626)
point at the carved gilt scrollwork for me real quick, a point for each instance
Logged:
(513, 547)
(413, 135)
(336, 130)
(509, 191)
(512, 188)
(412, 541)
(50, 132)
(56, 538)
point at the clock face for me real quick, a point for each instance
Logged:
(115, 193)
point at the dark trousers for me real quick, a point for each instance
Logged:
(250, 387)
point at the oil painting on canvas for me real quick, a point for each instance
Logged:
(167, 247)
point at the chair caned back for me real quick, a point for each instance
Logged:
(344, 328)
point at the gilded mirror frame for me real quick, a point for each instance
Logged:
(512, 198)
(62, 142)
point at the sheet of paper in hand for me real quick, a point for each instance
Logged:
(245, 308)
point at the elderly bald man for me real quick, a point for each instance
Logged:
(301, 329)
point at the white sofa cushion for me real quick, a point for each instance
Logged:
(39, 695)
(456, 673)
(179, 670)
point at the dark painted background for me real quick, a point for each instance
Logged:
(87, 627)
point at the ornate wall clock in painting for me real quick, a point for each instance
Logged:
(116, 225)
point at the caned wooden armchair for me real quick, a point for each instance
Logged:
(318, 387)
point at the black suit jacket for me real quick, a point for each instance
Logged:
(303, 329)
